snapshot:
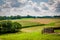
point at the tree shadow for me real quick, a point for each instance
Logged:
(10, 32)
(33, 25)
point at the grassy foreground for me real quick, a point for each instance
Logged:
(30, 36)
(33, 33)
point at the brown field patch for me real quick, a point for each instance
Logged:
(44, 20)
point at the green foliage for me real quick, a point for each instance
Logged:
(30, 36)
(9, 26)
(51, 24)
(16, 27)
(32, 33)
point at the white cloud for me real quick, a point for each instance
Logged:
(22, 1)
(29, 8)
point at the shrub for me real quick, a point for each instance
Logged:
(9, 26)
(16, 27)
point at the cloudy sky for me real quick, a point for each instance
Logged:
(29, 7)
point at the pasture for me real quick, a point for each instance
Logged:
(31, 29)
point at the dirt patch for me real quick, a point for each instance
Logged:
(0, 39)
(45, 21)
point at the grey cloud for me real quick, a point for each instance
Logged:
(36, 9)
(58, 7)
(6, 4)
(45, 8)
(38, 1)
(51, 2)
(16, 3)
(12, 3)
(0, 9)
(2, 2)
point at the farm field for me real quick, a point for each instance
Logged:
(32, 29)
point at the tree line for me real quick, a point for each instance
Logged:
(28, 16)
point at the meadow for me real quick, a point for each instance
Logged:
(31, 29)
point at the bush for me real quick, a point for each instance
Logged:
(16, 27)
(9, 26)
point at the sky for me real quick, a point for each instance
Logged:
(29, 7)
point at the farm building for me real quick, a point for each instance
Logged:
(50, 29)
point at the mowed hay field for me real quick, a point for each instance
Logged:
(32, 29)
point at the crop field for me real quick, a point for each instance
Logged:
(31, 29)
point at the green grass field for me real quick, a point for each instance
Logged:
(32, 30)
